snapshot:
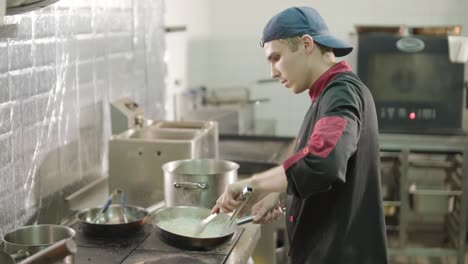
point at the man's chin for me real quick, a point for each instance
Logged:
(296, 90)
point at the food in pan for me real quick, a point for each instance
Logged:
(186, 226)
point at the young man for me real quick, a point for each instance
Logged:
(334, 211)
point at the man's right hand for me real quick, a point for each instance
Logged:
(228, 202)
(268, 209)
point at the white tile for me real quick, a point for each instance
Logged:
(44, 53)
(5, 118)
(6, 147)
(29, 111)
(4, 89)
(3, 56)
(45, 26)
(45, 79)
(20, 55)
(20, 84)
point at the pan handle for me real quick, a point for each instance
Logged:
(245, 220)
(250, 218)
(53, 253)
(156, 207)
(191, 185)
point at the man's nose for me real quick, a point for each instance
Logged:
(274, 72)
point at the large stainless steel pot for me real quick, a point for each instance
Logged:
(197, 182)
(35, 238)
(168, 229)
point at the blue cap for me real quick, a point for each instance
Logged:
(298, 21)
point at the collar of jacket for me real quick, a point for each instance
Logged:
(322, 82)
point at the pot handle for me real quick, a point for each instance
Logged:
(191, 185)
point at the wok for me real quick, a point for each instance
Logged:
(113, 222)
(176, 227)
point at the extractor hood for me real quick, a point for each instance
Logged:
(14, 7)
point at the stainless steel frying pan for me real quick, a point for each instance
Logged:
(113, 222)
(166, 220)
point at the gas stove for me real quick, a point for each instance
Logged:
(143, 247)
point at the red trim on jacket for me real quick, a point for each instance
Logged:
(327, 132)
(322, 82)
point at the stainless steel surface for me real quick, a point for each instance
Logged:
(15, 7)
(245, 220)
(90, 195)
(212, 174)
(188, 241)
(256, 154)
(231, 107)
(246, 192)
(136, 156)
(432, 199)
(125, 114)
(240, 253)
(5, 258)
(421, 143)
(54, 254)
(106, 205)
(112, 221)
(414, 152)
(246, 245)
(35, 238)
(256, 149)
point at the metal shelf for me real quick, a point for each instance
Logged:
(406, 153)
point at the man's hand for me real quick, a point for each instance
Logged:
(268, 209)
(228, 202)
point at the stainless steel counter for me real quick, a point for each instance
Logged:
(246, 244)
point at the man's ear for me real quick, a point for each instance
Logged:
(308, 43)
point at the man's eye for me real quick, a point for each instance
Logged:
(276, 58)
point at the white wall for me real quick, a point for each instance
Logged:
(233, 56)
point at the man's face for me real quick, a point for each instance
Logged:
(289, 67)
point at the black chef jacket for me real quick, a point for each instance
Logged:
(334, 209)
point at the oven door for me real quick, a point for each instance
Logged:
(415, 86)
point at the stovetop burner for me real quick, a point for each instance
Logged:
(143, 247)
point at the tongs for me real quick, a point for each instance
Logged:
(246, 192)
(109, 202)
(244, 197)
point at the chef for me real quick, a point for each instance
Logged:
(334, 208)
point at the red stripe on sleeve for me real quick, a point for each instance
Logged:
(327, 132)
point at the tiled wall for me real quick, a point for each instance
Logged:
(59, 69)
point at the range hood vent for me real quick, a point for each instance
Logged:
(14, 7)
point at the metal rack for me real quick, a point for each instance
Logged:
(408, 152)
